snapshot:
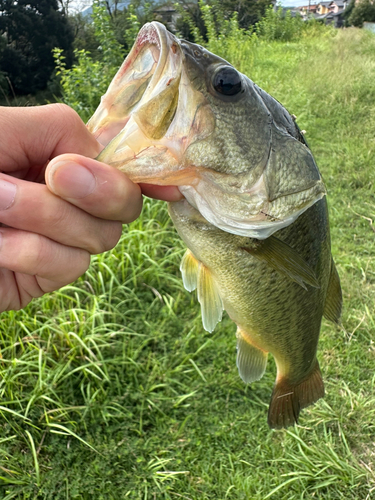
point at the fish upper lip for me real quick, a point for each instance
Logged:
(153, 40)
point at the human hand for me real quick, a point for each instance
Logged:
(48, 231)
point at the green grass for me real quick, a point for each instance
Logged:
(112, 390)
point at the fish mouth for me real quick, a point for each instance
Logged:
(135, 120)
(152, 65)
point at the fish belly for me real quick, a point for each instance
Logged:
(273, 313)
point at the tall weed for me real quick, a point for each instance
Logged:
(224, 36)
(279, 26)
(84, 84)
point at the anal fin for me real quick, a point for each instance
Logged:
(251, 361)
(209, 299)
(333, 303)
(189, 270)
(289, 399)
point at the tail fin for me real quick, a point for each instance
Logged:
(289, 399)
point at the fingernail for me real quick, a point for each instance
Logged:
(71, 180)
(7, 194)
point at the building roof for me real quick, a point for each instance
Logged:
(313, 6)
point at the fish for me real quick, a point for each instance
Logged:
(253, 215)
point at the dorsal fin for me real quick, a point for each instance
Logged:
(333, 303)
(209, 299)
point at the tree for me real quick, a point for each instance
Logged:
(249, 12)
(363, 11)
(31, 30)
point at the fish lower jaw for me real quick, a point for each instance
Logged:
(258, 223)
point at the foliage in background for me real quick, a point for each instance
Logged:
(123, 24)
(29, 30)
(363, 11)
(191, 25)
(126, 23)
(84, 84)
(276, 25)
(248, 12)
(222, 34)
(88, 79)
(84, 35)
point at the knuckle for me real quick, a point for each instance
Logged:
(125, 202)
(81, 264)
(131, 207)
(110, 234)
(65, 113)
(66, 121)
(59, 263)
(41, 257)
(60, 218)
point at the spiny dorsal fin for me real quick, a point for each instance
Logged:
(284, 259)
(251, 361)
(209, 299)
(333, 303)
(189, 269)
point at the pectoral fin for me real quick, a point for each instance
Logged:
(251, 361)
(333, 303)
(209, 299)
(196, 275)
(284, 259)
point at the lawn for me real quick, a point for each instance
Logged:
(111, 389)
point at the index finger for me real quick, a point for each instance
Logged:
(33, 135)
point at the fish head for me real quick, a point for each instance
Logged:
(176, 114)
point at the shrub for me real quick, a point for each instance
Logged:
(84, 84)
(363, 11)
(276, 25)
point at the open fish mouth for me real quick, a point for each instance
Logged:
(135, 114)
(161, 122)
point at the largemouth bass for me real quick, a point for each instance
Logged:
(254, 214)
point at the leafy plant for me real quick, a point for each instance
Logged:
(84, 84)
(276, 25)
(363, 11)
(29, 30)
(223, 36)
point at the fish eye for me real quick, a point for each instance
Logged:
(227, 81)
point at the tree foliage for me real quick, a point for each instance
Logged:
(192, 24)
(88, 79)
(31, 29)
(363, 11)
(249, 12)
